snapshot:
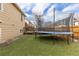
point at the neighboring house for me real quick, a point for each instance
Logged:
(72, 25)
(76, 26)
(11, 21)
(29, 26)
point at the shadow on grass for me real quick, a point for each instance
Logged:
(52, 40)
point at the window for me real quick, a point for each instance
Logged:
(22, 17)
(76, 23)
(1, 6)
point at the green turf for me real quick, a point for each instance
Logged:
(29, 46)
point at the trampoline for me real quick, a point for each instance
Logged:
(53, 33)
(56, 26)
(46, 33)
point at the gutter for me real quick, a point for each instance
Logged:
(18, 8)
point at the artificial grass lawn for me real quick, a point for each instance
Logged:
(29, 46)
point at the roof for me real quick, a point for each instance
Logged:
(26, 21)
(18, 8)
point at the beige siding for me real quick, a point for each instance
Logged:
(11, 22)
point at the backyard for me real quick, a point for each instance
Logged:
(27, 45)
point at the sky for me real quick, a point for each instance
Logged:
(62, 10)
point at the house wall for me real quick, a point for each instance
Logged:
(75, 30)
(12, 23)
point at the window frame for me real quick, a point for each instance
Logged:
(1, 9)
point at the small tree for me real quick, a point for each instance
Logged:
(39, 21)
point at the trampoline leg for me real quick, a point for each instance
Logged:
(68, 40)
(35, 36)
(72, 38)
